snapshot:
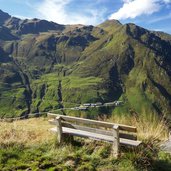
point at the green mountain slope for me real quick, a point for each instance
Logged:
(44, 66)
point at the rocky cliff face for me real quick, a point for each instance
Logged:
(44, 65)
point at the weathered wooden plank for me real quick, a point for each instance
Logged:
(115, 148)
(96, 136)
(93, 122)
(85, 134)
(59, 129)
(89, 129)
(99, 131)
(129, 142)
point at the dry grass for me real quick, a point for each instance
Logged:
(30, 145)
(28, 132)
(36, 130)
(149, 127)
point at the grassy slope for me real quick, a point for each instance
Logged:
(73, 90)
(136, 81)
(93, 64)
(28, 144)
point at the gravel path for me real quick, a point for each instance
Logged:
(166, 146)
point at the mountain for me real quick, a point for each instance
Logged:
(3, 17)
(45, 66)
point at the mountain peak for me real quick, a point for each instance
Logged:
(110, 24)
(2, 12)
(3, 17)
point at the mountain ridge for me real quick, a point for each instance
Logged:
(104, 63)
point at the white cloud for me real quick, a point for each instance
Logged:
(134, 8)
(157, 29)
(167, 1)
(127, 1)
(158, 19)
(56, 10)
(22, 17)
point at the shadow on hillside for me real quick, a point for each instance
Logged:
(162, 165)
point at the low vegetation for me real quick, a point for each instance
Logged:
(28, 144)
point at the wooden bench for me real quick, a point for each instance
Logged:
(117, 134)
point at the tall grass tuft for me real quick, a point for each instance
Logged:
(149, 126)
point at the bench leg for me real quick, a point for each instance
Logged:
(116, 141)
(59, 129)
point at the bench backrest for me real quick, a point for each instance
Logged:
(100, 127)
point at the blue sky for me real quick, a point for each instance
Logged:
(151, 14)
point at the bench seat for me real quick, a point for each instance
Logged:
(81, 133)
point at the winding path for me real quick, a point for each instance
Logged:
(166, 146)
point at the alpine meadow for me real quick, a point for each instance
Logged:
(75, 70)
